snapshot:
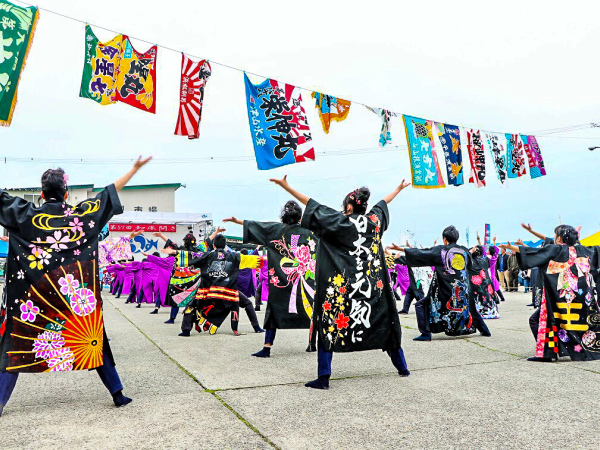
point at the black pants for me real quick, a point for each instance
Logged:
(500, 295)
(534, 323)
(246, 304)
(409, 297)
(513, 280)
(258, 296)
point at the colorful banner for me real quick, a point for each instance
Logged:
(278, 125)
(129, 227)
(136, 77)
(487, 239)
(17, 28)
(113, 250)
(423, 159)
(449, 136)
(496, 148)
(534, 155)
(194, 76)
(476, 157)
(100, 68)
(385, 137)
(330, 109)
(516, 160)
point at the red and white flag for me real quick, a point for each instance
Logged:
(194, 76)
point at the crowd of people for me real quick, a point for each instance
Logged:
(320, 269)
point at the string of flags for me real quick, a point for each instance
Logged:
(115, 71)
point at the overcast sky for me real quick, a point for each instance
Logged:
(508, 66)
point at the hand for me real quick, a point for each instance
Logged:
(403, 185)
(141, 162)
(408, 244)
(395, 247)
(135, 233)
(158, 234)
(434, 243)
(168, 251)
(519, 242)
(4, 238)
(478, 235)
(283, 182)
(220, 230)
(144, 253)
(231, 219)
(527, 227)
(494, 240)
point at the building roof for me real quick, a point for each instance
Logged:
(38, 189)
(147, 186)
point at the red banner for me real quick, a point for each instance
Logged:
(129, 227)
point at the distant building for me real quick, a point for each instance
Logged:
(135, 198)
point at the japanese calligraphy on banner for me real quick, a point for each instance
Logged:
(100, 68)
(516, 160)
(449, 136)
(129, 227)
(495, 144)
(331, 109)
(476, 157)
(534, 155)
(136, 77)
(278, 124)
(423, 159)
(194, 76)
(385, 136)
(17, 27)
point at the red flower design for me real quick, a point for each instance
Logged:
(374, 218)
(272, 272)
(377, 228)
(327, 306)
(342, 321)
(476, 279)
(343, 290)
(275, 280)
(380, 284)
(482, 274)
(490, 289)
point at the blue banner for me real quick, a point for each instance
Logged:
(450, 139)
(423, 159)
(278, 125)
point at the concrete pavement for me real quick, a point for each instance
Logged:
(207, 392)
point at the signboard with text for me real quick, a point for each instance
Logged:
(151, 227)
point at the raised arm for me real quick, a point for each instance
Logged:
(293, 192)
(122, 182)
(391, 196)
(158, 234)
(509, 246)
(217, 231)
(535, 233)
(233, 219)
(478, 239)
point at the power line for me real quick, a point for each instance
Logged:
(551, 131)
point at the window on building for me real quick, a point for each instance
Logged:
(153, 209)
(36, 199)
(138, 208)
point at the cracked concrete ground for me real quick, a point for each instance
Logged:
(207, 392)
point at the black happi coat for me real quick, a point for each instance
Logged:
(355, 308)
(569, 313)
(291, 253)
(483, 288)
(450, 298)
(51, 316)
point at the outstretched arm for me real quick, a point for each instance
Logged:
(509, 246)
(391, 196)
(478, 239)
(217, 231)
(233, 219)
(121, 182)
(293, 192)
(535, 233)
(158, 234)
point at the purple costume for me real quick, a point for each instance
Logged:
(127, 279)
(154, 279)
(263, 279)
(402, 279)
(493, 260)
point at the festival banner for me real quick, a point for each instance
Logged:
(128, 227)
(487, 239)
(536, 163)
(495, 145)
(385, 137)
(330, 109)
(136, 77)
(449, 136)
(476, 157)
(100, 68)
(17, 28)
(516, 160)
(424, 166)
(194, 76)
(278, 125)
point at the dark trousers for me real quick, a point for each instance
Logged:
(513, 280)
(107, 372)
(258, 296)
(140, 296)
(324, 361)
(270, 335)
(500, 294)
(534, 323)
(132, 295)
(119, 289)
(246, 304)
(422, 310)
(409, 297)
(174, 311)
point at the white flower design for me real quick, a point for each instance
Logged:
(92, 224)
(330, 290)
(20, 275)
